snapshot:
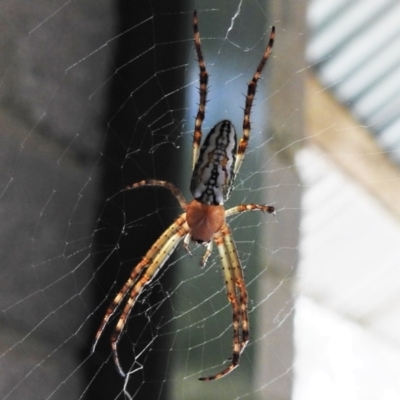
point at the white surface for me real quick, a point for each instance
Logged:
(348, 313)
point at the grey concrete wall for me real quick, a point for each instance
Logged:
(51, 121)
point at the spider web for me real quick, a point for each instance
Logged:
(97, 95)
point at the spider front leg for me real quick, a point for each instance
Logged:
(202, 91)
(251, 92)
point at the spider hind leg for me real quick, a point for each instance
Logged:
(230, 262)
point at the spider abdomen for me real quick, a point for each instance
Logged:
(204, 220)
(213, 175)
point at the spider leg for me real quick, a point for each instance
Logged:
(150, 254)
(202, 91)
(236, 264)
(167, 185)
(240, 284)
(230, 282)
(160, 256)
(241, 208)
(119, 298)
(235, 285)
(137, 272)
(146, 260)
(251, 91)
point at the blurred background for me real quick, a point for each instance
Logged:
(96, 95)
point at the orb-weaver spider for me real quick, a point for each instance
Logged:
(214, 167)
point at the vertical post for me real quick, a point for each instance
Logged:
(275, 351)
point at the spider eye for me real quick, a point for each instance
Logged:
(213, 175)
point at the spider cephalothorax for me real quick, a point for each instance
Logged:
(214, 166)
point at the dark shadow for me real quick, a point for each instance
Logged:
(132, 132)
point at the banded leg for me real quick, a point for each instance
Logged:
(137, 271)
(167, 185)
(235, 285)
(233, 211)
(241, 208)
(240, 285)
(202, 91)
(251, 91)
(236, 264)
(146, 276)
(229, 277)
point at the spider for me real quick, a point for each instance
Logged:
(214, 166)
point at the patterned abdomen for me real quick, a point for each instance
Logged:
(213, 176)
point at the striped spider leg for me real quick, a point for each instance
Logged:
(215, 166)
(251, 91)
(145, 270)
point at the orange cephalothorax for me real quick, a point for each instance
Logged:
(204, 220)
